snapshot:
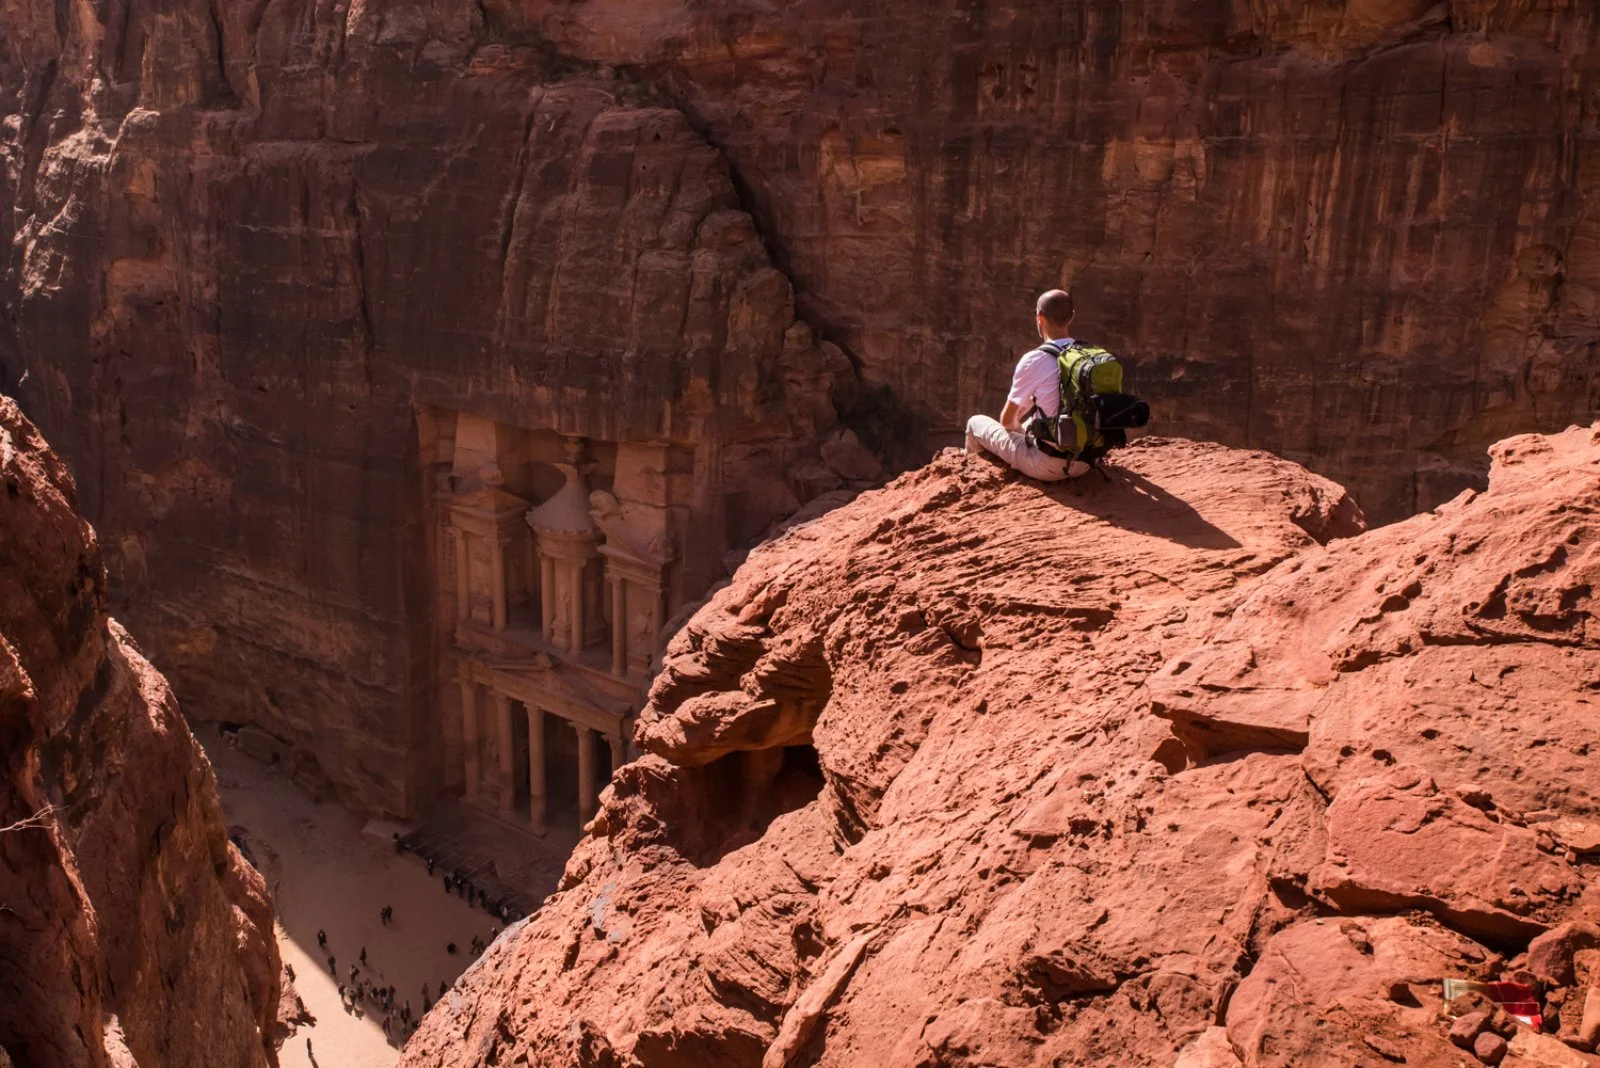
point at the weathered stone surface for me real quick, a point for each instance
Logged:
(1490, 1048)
(1351, 233)
(1528, 1049)
(994, 852)
(134, 933)
(1589, 1022)
(1396, 841)
(252, 245)
(1323, 989)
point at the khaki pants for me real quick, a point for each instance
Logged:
(1012, 447)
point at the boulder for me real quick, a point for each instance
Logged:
(1552, 956)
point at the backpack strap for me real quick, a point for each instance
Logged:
(1059, 352)
(1049, 447)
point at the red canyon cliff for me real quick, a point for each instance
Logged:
(1176, 767)
(132, 933)
(283, 277)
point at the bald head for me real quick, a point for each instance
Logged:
(1054, 311)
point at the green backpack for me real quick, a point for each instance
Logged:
(1095, 414)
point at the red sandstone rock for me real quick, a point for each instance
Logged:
(1530, 1050)
(1007, 850)
(1552, 955)
(135, 933)
(1465, 1031)
(1490, 1048)
(1589, 1023)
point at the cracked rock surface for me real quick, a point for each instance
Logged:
(917, 793)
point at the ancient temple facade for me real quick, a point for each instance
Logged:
(557, 563)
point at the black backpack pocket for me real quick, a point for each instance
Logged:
(1120, 411)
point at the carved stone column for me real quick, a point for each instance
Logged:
(463, 577)
(638, 552)
(497, 579)
(588, 795)
(506, 776)
(469, 733)
(538, 802)
(575, 617)
(619, 752)
(492, 516)
(547, 597)
(619, 627)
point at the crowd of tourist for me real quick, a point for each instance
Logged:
(362, 993)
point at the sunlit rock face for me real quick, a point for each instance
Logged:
(1177, 768)
(132, 932)
(270, 262)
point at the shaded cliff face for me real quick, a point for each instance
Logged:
(254, 244)
(132, 932)
(1182, 765)
(261, 252)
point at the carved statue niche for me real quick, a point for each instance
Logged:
(569, 567)
(638, 550)
(486, 529)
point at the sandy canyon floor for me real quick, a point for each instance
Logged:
(327, 874)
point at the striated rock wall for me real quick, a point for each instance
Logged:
(252, 246)
(131, 931)
(1180, 767)
(1357, 233)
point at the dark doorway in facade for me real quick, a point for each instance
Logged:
(561, 765)
(519, 757)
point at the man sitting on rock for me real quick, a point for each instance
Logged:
(1036, 382)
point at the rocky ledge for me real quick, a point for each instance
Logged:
(132, 933)
(1175, 767)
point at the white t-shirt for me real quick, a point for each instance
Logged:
(1038, 381)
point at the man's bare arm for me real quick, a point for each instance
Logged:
(1011, 416)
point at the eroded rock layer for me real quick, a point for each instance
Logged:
(132, 933)
(1179, 766)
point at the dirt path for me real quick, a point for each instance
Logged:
(326, 874)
